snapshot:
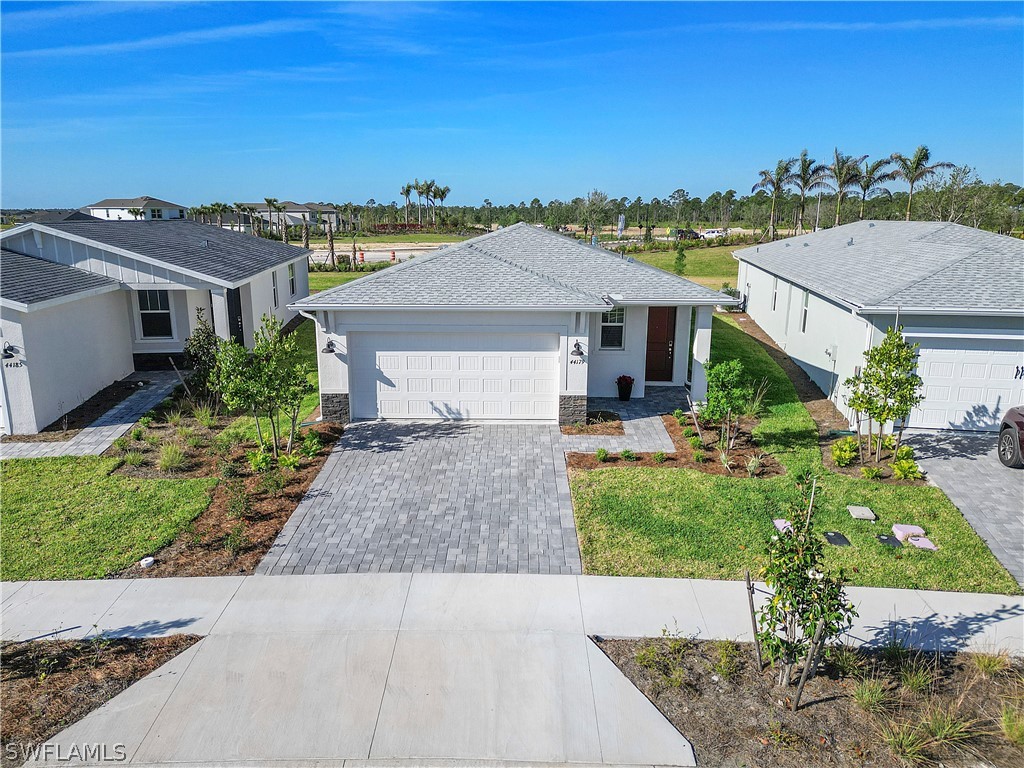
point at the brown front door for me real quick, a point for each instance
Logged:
(661, 339)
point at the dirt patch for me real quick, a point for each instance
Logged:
(734, 715)
(822, 410)
(597, 423)
(746, 459)
(47, 685)
(246, 513)
(77, 419)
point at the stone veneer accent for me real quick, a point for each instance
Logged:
(334, 407)
(572, 409)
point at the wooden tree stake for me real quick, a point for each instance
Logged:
(753, 621)
(812, 653)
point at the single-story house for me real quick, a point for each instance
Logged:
(957, 291)
(520, 324)
(118, 209)
(85, 303)
(51, 217)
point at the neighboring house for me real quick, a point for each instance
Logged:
(958, 292)
(519, 324)
(50, 217)
(83, 304)
(117, 209)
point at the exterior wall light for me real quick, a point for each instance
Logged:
(328, 347)
(577, 350)
(8, 352)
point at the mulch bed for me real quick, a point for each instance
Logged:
(232, 536)
(78, 418)
(597, 423)
(853, 470)
(47, 685)
(739, 717)
(684, 454)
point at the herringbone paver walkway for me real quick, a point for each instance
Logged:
(97, 437)
(452, 496)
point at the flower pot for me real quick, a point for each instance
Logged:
(625, 390)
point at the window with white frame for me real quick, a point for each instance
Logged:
(613, 325)
(156, 213)
(273, 283)
(291, 279)
(155, 315)
(803, 312)
(775, 292)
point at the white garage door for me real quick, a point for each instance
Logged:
(968, 383)
(469, 375)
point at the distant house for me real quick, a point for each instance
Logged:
(51, 217)
(117, 209)
(84, 303)
(295, 214)
(827, 297)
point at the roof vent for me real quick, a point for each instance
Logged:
(787, 245)
(806, 244)
(871, 224)
(850, 241)
(206, 243)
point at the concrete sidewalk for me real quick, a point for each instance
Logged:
(424, 667)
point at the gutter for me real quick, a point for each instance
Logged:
(939, 311)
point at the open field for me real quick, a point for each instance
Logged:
(710, 267)
(321, 281)
(690, 524)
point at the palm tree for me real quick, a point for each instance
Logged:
(282, 221)
(219, 209)
(775, 184)
(417, 187)
(305, 232)
(845, 173)
(808, 177)
(271, 208)
(136, 213)
(406, 192)
(331, 258)
(487, 206)
(429, 189)
(442, 194)
(915, 168)
(872, 177)
(194, 212)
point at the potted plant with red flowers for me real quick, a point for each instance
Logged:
(625, 385)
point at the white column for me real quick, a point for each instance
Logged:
(701, 353)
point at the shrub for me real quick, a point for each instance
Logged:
(628, 455)
(915, 677)
(151, 439)
(138, 433)
(726, 658)
(726, 461)
(289, 461)
(226, 441)
(679, 414)
(944, 725)
(895, 652)
(601, 455)
(689, 432)
(205, 415)
(312, 444)
(659, 457)
(991, 664)
(122, 444)
(236, 540)
(194, 441)
(172, 458)
(754, 405)
(259, 460)
(230, 469)
(906, 469)
(273, 482)
(174, 417)
(871, 473)
(239, 503)
(871, 695)
(699, 456)
(845, 451)
(904, 453)
(754, 465)
(846, 660)
(146, 421)
(184, 433)
(134, 458)
(695, 442)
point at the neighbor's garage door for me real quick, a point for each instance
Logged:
(968, 383)
(453, 375)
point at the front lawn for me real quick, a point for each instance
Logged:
(685, 523)
(321, 281)
(708, 266)
(70, 518)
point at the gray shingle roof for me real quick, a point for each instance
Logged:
(214, 252)
(134, 202)
(29, 280)
(915, 265)
(519, 266)
(48, 217)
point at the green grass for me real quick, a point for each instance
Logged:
(708, 266)
(321, 281)
(683, 523)
(69, 518)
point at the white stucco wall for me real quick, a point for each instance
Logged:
(606, 365)
(258, 297)
(68, 353)
(122, 214)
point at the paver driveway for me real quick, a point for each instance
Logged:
(449, 496)
(965, 466)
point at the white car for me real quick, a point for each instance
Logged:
(711, 234)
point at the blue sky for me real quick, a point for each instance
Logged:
(196, 102)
